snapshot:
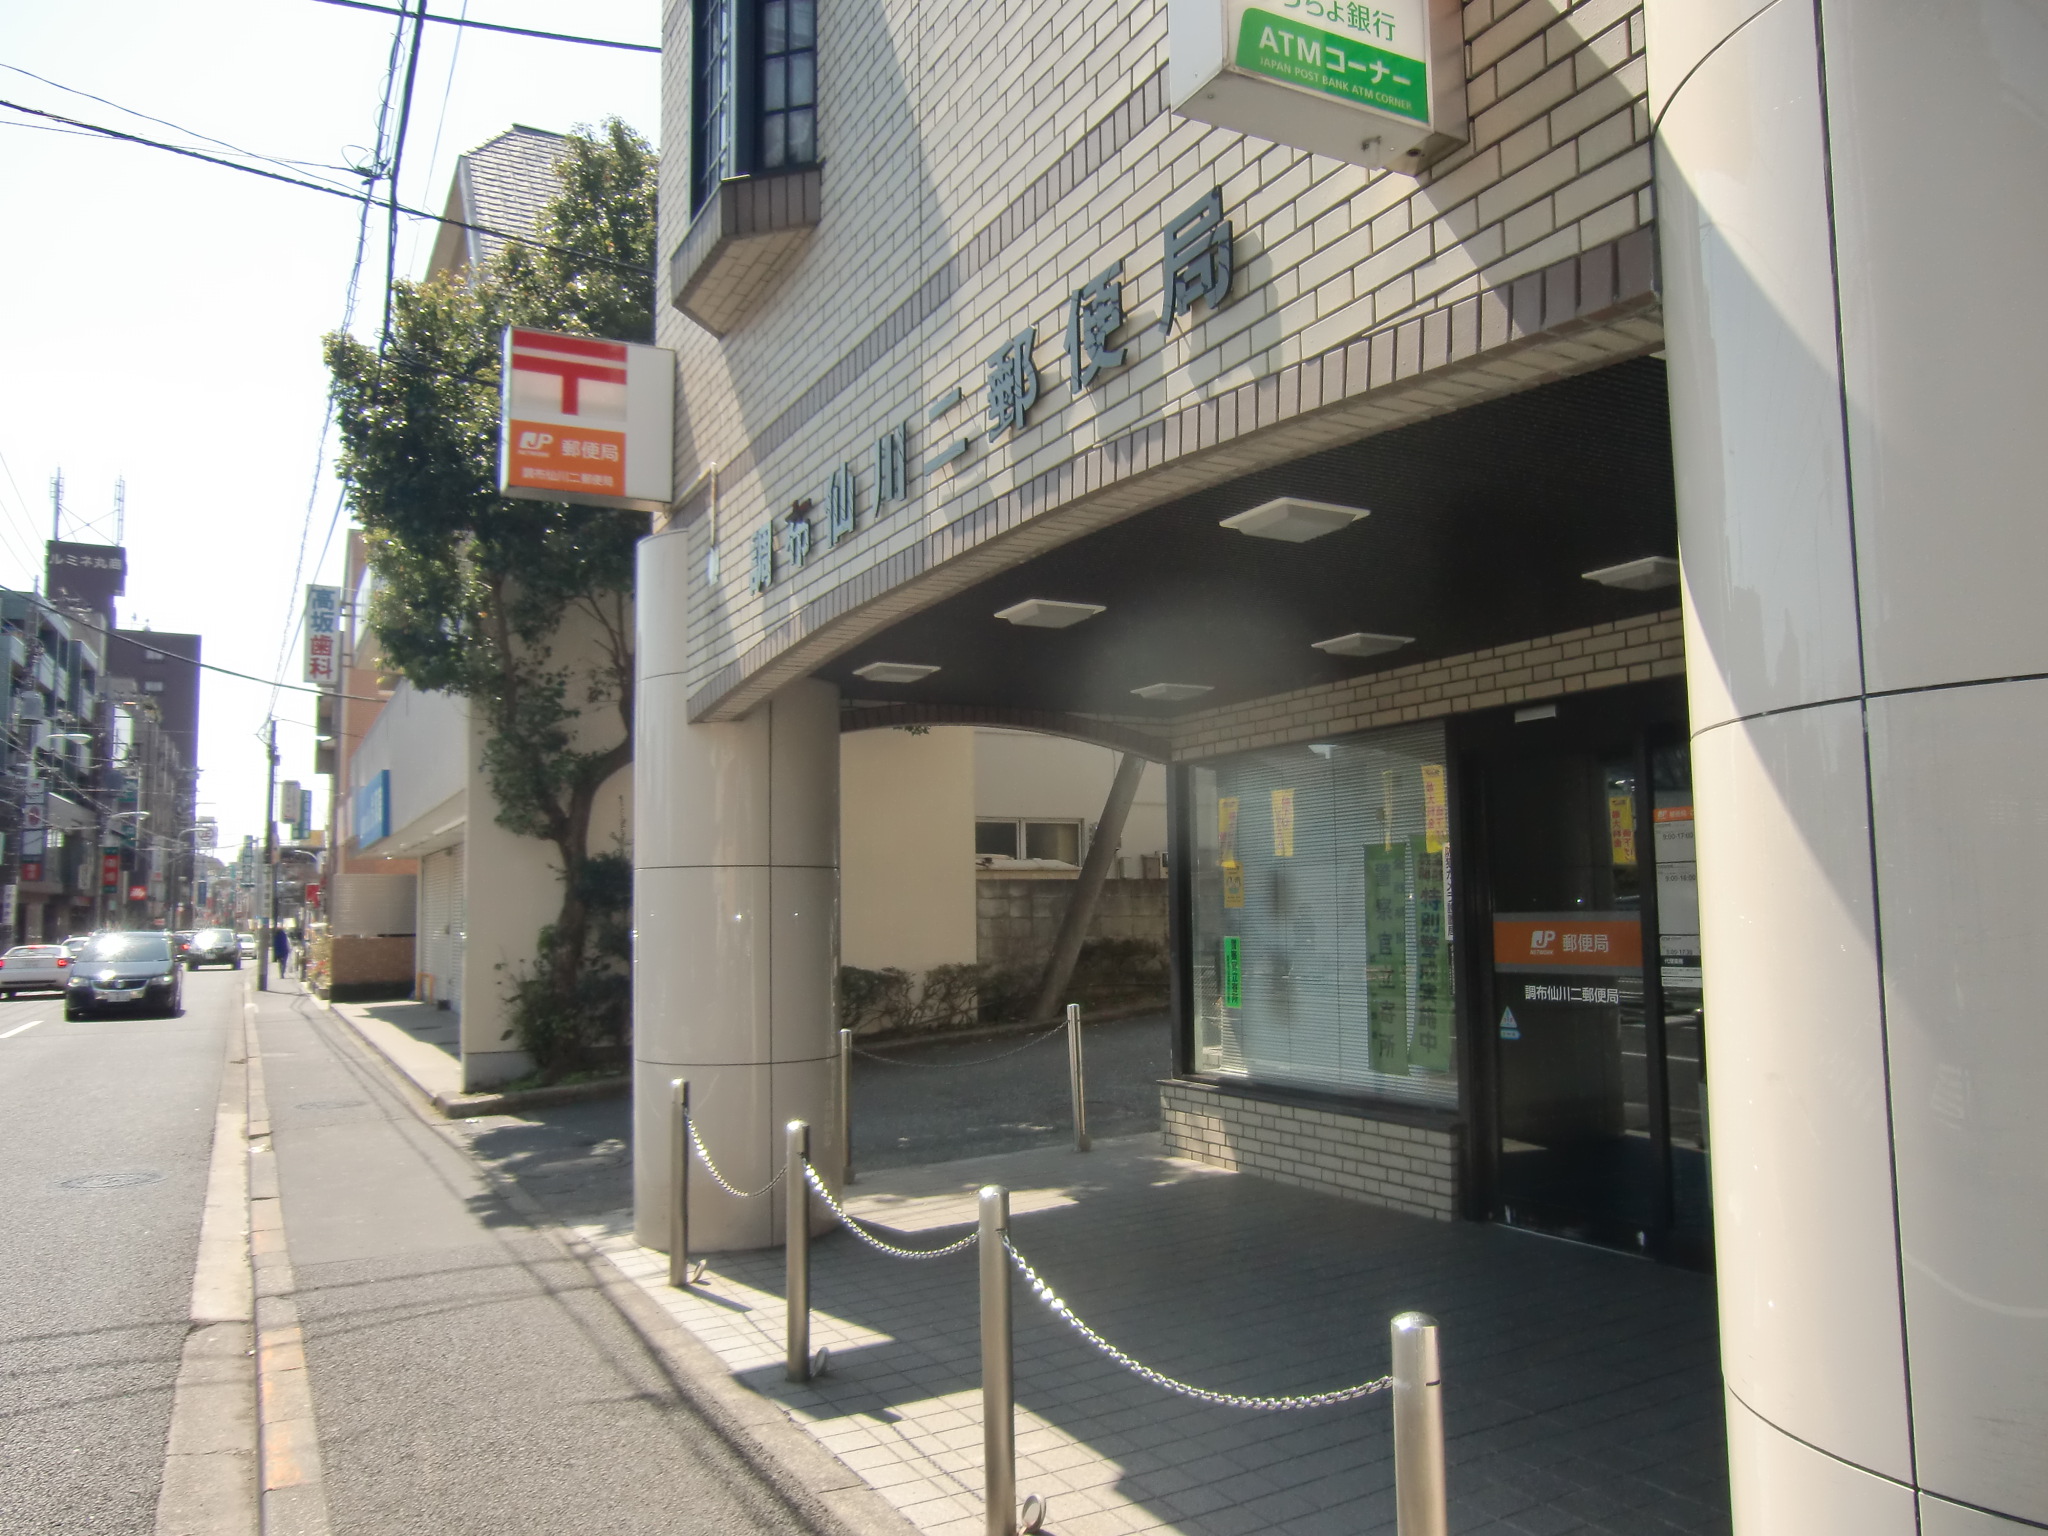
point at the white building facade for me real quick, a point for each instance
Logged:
(1580, 589)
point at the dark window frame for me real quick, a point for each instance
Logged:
(754, 132)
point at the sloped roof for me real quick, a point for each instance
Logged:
(505, 183)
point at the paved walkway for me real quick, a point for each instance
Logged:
(1582, 1387)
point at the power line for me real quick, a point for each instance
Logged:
(164, 122)
(412, 69)
(315, 186)
(441, 121)
(491, 26)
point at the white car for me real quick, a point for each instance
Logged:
(34, 968)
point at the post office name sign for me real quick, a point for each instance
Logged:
(1378, 84)
(586, 421)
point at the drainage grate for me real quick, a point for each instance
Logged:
(109, 1180)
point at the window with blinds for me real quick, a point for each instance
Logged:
(1323, 943)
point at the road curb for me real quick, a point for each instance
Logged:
(833, 1498)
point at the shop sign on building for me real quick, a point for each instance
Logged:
(323, 625)
(1379, 84)
(586, 421)
(1197, 262)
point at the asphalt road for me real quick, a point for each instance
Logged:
(931, 1103)
(106, 1128)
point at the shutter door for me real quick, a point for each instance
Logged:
(458, 923)
(434, 894)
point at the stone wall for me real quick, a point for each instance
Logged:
(365, 970)
(1353, 1153)
(1016, 920)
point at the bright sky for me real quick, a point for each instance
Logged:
(164, 316)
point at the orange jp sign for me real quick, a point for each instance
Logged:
(546, 457)
(586, 420)
(1567, 941)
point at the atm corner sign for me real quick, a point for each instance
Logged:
(586, 421)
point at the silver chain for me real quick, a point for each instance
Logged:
(824, 1194)
(1065, 1313)
(718, 1178)
(979, 1061)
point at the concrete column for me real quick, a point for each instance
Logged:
(736, 924)
(1853, 204)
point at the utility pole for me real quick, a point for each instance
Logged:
(268, 900)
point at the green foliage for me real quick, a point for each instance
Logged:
(474, 590)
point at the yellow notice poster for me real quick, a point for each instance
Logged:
(1226, 847)
(1283, 823)
(1436, 809)
(1621, 829)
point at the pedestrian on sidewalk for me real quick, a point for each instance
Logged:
(280, 948)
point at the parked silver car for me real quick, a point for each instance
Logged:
(34, 968)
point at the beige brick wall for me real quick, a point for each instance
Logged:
(1409, 1168)
(1603, 656)
(979, 166)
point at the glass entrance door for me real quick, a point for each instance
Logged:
(1596, 1007)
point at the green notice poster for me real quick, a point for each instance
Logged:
(1434, 1002)
(1233, 972)
(1386, 958)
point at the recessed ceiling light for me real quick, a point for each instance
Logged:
(1535, 712)
(893, 672)
(1172, 693)
(1293, 520)
(1644, 575)
(1362, 644)
(1044, 613)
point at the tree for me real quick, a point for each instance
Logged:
(522, 607)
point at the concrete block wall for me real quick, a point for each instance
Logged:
(1017, 920)
(968, 190)
(1382, 1162)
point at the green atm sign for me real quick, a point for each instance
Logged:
(1348, 68)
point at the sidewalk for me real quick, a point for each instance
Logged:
(448, 1367)
(1582, 1388)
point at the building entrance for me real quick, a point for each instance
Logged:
(1596, 1125)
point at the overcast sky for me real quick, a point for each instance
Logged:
(163, 317)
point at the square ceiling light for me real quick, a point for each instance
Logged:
(1293, 520)
(1644, 575)
(894, 672)
(1360, 643)
(1172, 693)
(1044, 613)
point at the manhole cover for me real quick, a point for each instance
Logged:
(109, 1180)
(334, 1104)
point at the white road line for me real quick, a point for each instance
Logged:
(31, 1024)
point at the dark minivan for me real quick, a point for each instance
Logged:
(126, 970)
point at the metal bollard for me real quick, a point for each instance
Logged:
(796, 1250)
(998, 1385)
(679, 1194)
(1077, 1077)
(1421, 1503)
(846, 1104)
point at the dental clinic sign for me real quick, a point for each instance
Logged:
(586, 421)
(1375, 84)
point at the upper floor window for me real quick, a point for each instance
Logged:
(754, 95)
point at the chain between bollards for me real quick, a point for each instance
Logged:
(1077, 1077)
(846, 1104)
(1421, 1499)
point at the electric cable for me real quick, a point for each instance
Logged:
(164, 122)
(493, 26)
(412, 69)
(316, 186)
(440, 123)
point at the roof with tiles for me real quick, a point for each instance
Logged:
(505, 184)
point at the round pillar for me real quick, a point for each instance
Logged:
(1852, 205)
(735, 911)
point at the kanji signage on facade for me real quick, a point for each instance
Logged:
(586, 421)
(323, 627)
